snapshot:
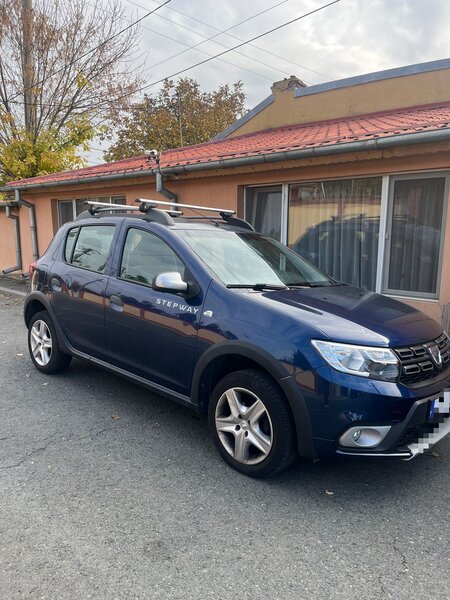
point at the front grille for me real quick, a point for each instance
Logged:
(417, 362)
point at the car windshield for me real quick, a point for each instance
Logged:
(251, 260)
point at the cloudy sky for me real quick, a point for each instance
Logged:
(350, 37)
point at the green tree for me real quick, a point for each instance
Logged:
(62, 66)
(179, 115)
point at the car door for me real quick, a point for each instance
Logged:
(78, 282)
(149, 332)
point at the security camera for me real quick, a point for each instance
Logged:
(152, 154)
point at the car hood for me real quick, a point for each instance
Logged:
(349, 314)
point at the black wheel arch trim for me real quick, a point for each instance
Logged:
(276, 370)
(45, 301)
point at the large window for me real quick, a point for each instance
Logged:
(263, 209)
(69, 209)
(335, 225)
(414, 236)
(383, 234)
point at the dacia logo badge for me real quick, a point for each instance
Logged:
(435, 353)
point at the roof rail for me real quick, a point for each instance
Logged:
(155, 203)
(160, 215)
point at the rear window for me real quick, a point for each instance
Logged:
(88, 247)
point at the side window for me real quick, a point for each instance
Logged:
(92, 247)
(145, 256)
(70, 241)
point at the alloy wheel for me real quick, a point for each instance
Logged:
(41, 343)
(244, 426)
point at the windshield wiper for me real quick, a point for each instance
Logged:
(313, 284)
(256, 286)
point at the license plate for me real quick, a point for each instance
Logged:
(439, 407)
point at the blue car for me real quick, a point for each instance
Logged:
(283, 359)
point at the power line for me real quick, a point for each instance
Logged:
(207, 39)
(92, 49)
(311, 12)
(303, 16)
(188, 47)
(229, 34)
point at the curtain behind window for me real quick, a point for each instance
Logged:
(263, 210)
(417, 208)
(335, 225)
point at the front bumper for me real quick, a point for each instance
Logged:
(427, 422)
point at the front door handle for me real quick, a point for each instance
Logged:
(116, 302)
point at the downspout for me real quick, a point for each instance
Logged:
(32, 215)
(160, 187)
(15, 219)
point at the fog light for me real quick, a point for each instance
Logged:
(364, 437)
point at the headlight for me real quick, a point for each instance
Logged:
(365, 361)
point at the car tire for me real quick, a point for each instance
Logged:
(44, 347)
(251, 424)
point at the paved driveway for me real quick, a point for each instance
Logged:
(107, 491)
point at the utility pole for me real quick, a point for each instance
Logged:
(179, 119)
(28, 66)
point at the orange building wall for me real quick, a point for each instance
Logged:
(222, 188)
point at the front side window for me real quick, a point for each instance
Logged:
(145, 256)
(414, 240)
(92, 247)
(249, 259)
(335, 225)
(263, 210)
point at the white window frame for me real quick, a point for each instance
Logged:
(74, 204)
(386, 207)
(283, 206)
(386, 230)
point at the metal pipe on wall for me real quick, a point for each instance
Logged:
(32, 214)
(15, 219)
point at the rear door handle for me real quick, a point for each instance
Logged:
(116, 302)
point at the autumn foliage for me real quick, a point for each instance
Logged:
(180, 114)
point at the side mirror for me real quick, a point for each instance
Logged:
(170, 282)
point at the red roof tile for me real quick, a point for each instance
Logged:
(272, 141)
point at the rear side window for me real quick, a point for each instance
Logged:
(145, 256)
(70, 241)
(91, 248)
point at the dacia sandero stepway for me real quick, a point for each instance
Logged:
(283, 359)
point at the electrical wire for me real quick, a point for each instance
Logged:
(256, 37)
(184, 70)
(229, 34)
(207, 39)
(38, 83)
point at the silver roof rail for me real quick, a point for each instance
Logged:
(109, 206)
(156, 203)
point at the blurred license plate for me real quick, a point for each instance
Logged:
(439, 407)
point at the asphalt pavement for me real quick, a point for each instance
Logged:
(108, 491)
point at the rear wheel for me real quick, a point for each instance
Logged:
(251, 424)
(43, 345)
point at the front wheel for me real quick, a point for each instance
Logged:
(43, 345)
(251, 424)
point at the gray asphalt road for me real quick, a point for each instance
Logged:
(109, 492)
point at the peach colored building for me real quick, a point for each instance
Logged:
(353, 174)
